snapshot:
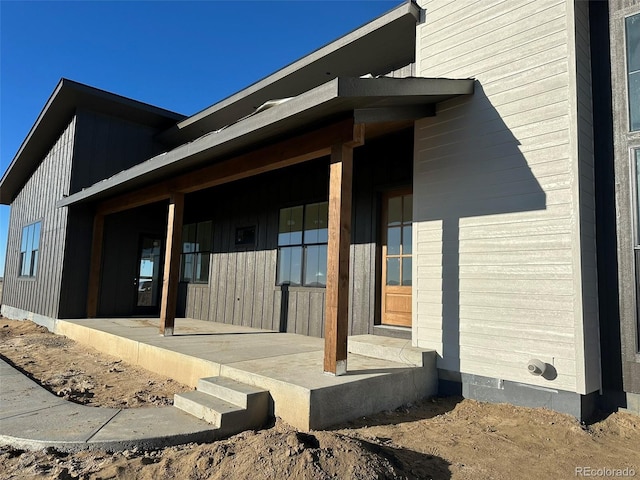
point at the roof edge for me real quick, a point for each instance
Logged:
(408, 8)
(65, 98)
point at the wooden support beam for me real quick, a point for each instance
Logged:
(171, 264)
(337, 291)
(137, 198)
(285, 153)
(95, 266)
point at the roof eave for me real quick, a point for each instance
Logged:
(341, 96)
(66, 97)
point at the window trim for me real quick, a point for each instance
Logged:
(34, 264)
(196, 254)
(303, 245)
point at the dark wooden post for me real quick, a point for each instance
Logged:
(171, 264)
(95, 266)
(337, 291)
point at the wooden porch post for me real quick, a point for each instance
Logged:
(337, 291)
(95, 266)
(171, 264)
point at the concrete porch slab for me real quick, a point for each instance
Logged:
(288, 365)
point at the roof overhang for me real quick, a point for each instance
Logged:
(58, 111)
(369, 100)
(383, 44)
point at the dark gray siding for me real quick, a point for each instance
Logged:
(75, 273)
(104, 145)
(36, 202)
(107, 145)
(122, 232)
(242, 287)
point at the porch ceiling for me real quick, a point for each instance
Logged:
(366, 100)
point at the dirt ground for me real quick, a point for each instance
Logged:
(440, 438)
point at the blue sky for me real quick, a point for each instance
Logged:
(183, 56)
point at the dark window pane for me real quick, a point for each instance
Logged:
(289, 265)
(34, 263)
(202, 267)
(395, 211)
(406, 240)
(393, 240)
(315, 223)
(393, 271)
(315, 266)
(290, 230)
(406, 271)
(407, 208)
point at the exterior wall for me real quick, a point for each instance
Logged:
(120, 256)
(624, 144)
(36, 202)
(107, 145)
(242, 285)
(503, 194)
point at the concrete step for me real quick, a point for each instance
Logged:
(205, 407)
(232, 391)
(230, 406)
(392, 349)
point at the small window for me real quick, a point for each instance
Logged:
(302, 245)
(197, 239)
(29, 250)
(633, 69)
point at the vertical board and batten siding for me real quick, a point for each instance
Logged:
(242, 286)
(36, 202)
(496, 207)
(107, 145)
(120, 256)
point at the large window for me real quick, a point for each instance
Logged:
(633, 69)
(29, 248)
(302, 245)
(196, 252)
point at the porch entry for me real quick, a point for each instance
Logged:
(148, 279)
(397, 217)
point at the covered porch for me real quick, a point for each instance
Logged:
(384, 373)
(329, 121)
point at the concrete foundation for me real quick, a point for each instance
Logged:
(289, 366)
(494, 390)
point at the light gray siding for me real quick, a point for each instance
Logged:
(497, 209)
(36, 202)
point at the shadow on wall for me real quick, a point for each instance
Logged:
(469, 164)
